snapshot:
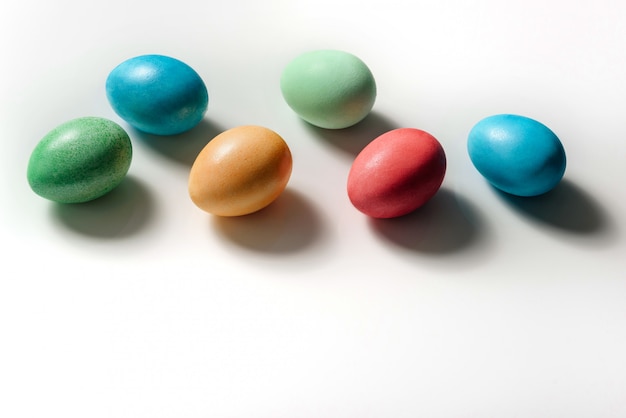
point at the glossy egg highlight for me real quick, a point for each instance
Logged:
(329, 88)
(396, 173)
(516, 154)
(240, 171)
(157, 94)
(80, 160)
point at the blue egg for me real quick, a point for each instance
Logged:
(516, 154)
(157, 94)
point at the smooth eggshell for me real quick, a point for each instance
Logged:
(396, 173)
(80, 160)
(328, 88)
(240, 171)
(157, 94)
(516, 154)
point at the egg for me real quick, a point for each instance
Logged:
(396, 173)
(80, 160)
(517, 154)
(240, 171)
(329, 88)
(157, 94)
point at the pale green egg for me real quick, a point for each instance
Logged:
(328, 88)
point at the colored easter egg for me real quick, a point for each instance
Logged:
(240, 171)
(80, 160)
(396, 173)
(329, 88)
(157, 94)
(516, 154)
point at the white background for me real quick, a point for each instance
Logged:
(477, 305)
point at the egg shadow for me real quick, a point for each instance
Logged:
(566, 207)
(124, 211)
(288, 225)
(446, 224)
(354, 138)
(183, 147)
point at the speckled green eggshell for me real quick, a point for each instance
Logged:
(80, 160)
(328, 88)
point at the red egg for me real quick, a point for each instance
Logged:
(396, 173)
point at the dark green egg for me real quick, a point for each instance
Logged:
(80, 160)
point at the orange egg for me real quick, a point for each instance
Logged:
(240, 171)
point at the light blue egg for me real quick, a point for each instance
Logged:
(157, 94)
(516, 154)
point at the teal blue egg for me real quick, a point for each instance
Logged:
(157, 94)
(517, 154)
(80, 160)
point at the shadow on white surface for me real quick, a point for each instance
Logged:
(446, 224)
(354, 138)
(182, 148)
(567, 207)
(123, 212)
(290, 224)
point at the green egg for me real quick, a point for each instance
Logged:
(80, 160)
(328, 88)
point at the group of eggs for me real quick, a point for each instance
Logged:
(244, 169)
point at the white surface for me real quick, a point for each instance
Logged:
(139, 305)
